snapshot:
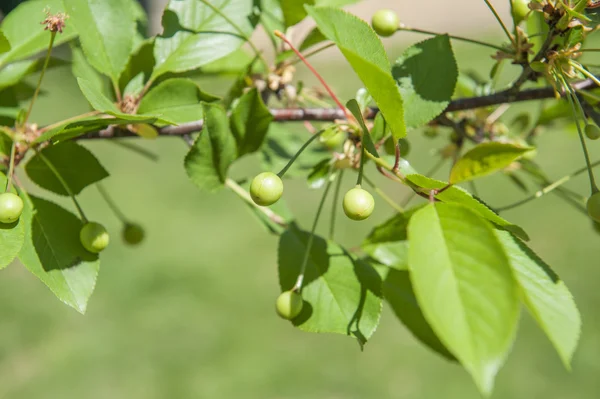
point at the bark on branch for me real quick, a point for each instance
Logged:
(331, 114)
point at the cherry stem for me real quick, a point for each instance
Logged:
(117, 91)
(300, 151)
(11, 167)
(362, 165)
(111, 204)
(384, 196)
(504, 28)
(572, 98)
(334, 205)
(396, 166)
(429, 173)
(459, 38)
(298, 286)
(547, 189)
(39, 84)
(584, 71)
(314, 71)
(243, 194)
(64, 184)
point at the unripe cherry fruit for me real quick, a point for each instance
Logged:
(519, 10)
(266, 189)
(289, 304)
(593, 206)
(11, 207)
(592, 131)
(358, 204)
(94, 237)
(133, 234)
(385, 22)
(334, 140)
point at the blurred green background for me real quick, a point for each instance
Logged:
(190, 313)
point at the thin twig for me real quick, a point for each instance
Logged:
(549, 188)
(333, 114)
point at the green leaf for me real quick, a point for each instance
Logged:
(4, 43)
(399, 293)
(26, 35)
(103, 104)
(364, 51)
(12, 235)
(138, 68)
(250, 120)
(426, 74)
(546, 296)
(341, 294)
(388, 242)
(195, 35)
(293, 11)
(13, 73)
(106, 30)
(464, 285)
(459, 196)
(212, 153)
(77, 166)
(52, 252)
(178, 100)
(96, 98)
(367, 141)
(232, 64)
(82, 69)
(271, 18)
(75, 129)
(485, 159)
(313, 38)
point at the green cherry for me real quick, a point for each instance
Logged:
(593, 206)
(358, 204)
(11, 207)
(385, 22)
(289, 304)
(519, 10)
(266, 189)
(390, 146)
(333, 141)
(592, 131)
(133, 234)
(94, 237)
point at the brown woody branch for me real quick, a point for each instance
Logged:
(331, 114)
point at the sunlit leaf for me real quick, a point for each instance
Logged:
(464, 284)
(76, 165)
(485, 159)
(208, 161)
(364, 51)
(341, 294)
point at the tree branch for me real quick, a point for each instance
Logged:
(331, 114)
